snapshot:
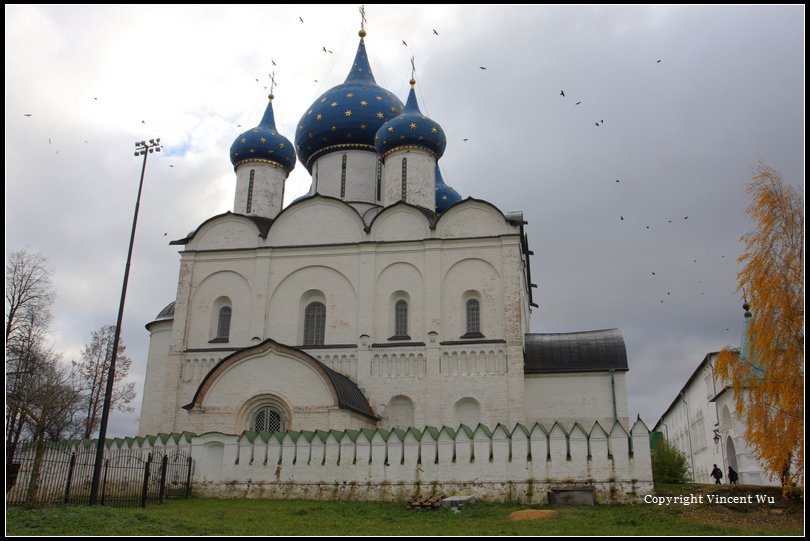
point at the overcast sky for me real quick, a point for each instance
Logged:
(688, 100)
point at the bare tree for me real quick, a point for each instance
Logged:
(93, 369)
(29, 296)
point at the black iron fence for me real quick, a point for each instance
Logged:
(129, 478)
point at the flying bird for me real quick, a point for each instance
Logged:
(465, 139)
(648, 227)
(49, 142)
(330, 52)
(26, 114)
(316, 80)
(601, 121)
(658, 61)
(143, 122)
(482, 68)
(272, 62)
(170, 165)
(324, 49)
(85, 140)
(562, 93)
(300, 19)
(621, 218)
(95, 99)
(596, 124)
(617, 180)
(686, 217)
(164, 234)
(653, 274)
(434, 31)
(405, 44)
(577, 103)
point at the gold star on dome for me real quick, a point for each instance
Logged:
(378, 98)
(348, 113)
(333, 104)
(281, 145)
(359, 69)
(323, 100)
(420, 138)
(309, 112)
(363, 103)
(433, 130)
(244, 140)
(274, 133)
(413, 126)
(252, 150)
(311, 135)
(349, 95)
(362, 126)
(393, 109)
(334, 128)
(255, 131)
(262, 140)
(380, 115)
(390, 129)
(318, 116)
(376, 137)
(444, 198)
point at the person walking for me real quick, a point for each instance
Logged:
(732, 476)
(717, 473)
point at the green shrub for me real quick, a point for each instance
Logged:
(669, 464)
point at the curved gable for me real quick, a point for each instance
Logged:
(400, 222)
(226, 230)
(316, 220)
(472, 218)
(342, 392)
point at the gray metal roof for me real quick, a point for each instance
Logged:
(166, 313)
(575, 352)
(349, 394)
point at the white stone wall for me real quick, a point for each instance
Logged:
(572, 396)
(159, 389)
(361, 175)
(690, 425)
(500, 465)
(267, 195)
(420, 183)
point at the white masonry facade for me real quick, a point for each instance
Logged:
(379, 300)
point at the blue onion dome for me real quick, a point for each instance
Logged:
(446, 196)
(411, 129)
(346, 116)
(264, 144)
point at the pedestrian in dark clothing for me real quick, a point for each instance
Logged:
(732, 476)
(717, 473)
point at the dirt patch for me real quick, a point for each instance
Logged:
(532, 514)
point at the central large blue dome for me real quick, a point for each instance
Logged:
(346, 116)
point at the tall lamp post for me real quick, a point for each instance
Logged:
(142, 148)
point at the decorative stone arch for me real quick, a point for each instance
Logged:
(399, 310)
(731, 454)
(399, 413)
(467, 411)
(247, 412)
(726, 420)
(221, 319)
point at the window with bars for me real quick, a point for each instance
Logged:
(379, 179)
(314, 324)
(268, 419)
(224, 323)
(473, 309)
(404, 177)
(401, 319)
(343, 178)
(250, 191)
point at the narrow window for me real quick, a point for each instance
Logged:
(379, 179)
(250, 191)
(314, 324)
(401, 319)
(268, 419)
(473, 317)
(404, 177)
(343, 178)
(224, 323)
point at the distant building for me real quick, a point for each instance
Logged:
(702, 422)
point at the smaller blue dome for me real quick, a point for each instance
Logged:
(446, 196)
(264, 144)
(411, 129)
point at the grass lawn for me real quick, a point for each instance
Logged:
(297, 517)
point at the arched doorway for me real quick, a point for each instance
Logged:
(731, 454)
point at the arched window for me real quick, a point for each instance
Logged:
(268, 419)
(473, 313)
(224, 324)
(401, 319)
(314, 324)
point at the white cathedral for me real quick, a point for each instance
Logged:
(380, 299)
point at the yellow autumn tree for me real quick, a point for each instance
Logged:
(769, 383)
